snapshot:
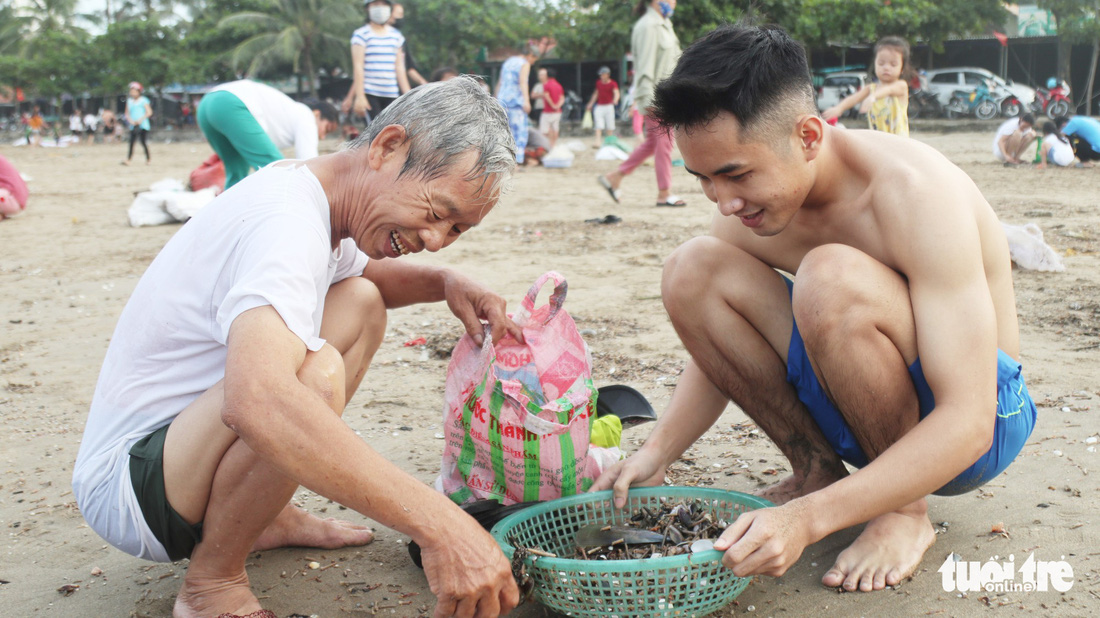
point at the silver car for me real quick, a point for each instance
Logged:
(944, 82)
(836, 86)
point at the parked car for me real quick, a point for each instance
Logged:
(944, 82)
(835, 86)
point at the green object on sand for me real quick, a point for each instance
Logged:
(612, 140)
(607, 431)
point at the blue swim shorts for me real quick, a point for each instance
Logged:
(1015, 415)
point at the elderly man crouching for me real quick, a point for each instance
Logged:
(231, 364)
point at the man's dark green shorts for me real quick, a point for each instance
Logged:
(147, 475)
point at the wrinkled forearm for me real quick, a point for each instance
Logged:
(403, 283)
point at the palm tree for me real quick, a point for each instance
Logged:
(160, 11)
(295, 31)
(11, 31)
(53, 16)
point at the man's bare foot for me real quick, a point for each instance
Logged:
(886, 552)
(797, 485)
(202, 597)
(294, 527)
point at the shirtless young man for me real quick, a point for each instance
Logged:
(902, 289)
(224, 383)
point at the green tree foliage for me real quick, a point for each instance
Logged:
(301, 32)
(601, 29)
(136, 50)
(452, 32)
(199, 41)
(206, 50)
(821, 22)
(12, 28)
(52, 16)
(960, 17)
(59, 63)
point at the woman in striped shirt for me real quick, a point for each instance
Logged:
(378, 64)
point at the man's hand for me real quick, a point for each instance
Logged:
(468, 573)
(767, 541)
(642, 468)
(472, 302)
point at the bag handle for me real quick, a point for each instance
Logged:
(556, 299)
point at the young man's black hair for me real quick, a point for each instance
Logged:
(757, 74)
(1028, 118)
(1061, 121)
(328, 110)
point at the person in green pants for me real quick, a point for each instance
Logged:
(248, 123)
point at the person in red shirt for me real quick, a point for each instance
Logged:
(605, 97)
(554, 96)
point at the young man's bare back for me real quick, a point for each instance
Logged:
(895, 346)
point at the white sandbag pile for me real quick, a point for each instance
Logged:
(168, 201)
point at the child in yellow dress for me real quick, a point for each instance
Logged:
(886, 102)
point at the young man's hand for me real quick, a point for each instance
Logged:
(767, 541)
(644, 468)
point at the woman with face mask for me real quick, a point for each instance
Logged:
(655, 49)
(378, 63)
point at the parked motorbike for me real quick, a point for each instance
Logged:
(1053, 100)
(924, 104)
(1008, 103)
(980, 102)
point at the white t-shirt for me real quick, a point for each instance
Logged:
(90, 122)
(1007, 128)
(287, 122)
(265, 241)
(1060, 153)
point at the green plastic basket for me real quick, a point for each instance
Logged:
(684, 585)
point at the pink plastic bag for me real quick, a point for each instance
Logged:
(517, 415)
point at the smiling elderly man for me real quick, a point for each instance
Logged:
(226, 377)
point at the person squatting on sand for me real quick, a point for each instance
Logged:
(895, 348)
(1012, 138)
(224, 382)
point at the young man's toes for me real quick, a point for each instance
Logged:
(833, 578)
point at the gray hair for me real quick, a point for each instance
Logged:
(445, 120)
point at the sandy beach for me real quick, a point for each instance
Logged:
(69, 263)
